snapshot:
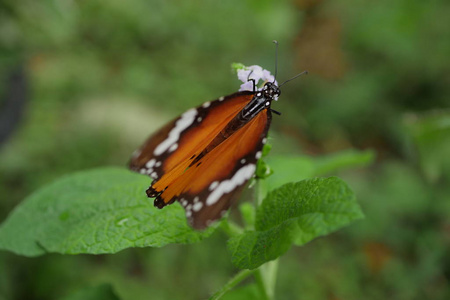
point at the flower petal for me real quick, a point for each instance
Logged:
(246, 86)
(256, 73)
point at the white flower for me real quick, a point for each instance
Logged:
(253, 72)
(247, 86)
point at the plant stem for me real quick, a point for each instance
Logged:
(269, 276)
(261, 284)
(266, 276)
(232, 283)
(258, 193)
(231, 228)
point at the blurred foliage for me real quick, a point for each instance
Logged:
(103, 75)
(101, 292)
(430, 134)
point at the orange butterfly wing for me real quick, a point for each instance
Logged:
(206, 190)
(163, 152)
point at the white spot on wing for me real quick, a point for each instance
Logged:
(197, 206)
(258, 155)
(174, 135)
(226, 186)
(264, 140)
(213, 185)
(136, 153)
(173, 147)
(158, 163)
(206, 104)
(150, 163)
(243, 161)
(221, 98)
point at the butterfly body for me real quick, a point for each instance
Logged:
(204, 157)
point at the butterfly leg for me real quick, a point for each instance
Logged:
(252, 80)
(275, 112)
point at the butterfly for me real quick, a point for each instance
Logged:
(204, 158)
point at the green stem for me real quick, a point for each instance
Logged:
(269, 276)
(261, 284)
(231, 228)
(232, 283)
(259, 193)
(266, 276)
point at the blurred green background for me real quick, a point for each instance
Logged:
(83, 83)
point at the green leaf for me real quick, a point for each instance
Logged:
(263, 170)
(289, 169)
(254, 248)
(296, 168)
(266, 149)
(343, 160)
(295, 213)
(98, 211)
(237, 66)
(101, 292)
(430, 134)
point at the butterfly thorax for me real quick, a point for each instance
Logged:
(261, 100)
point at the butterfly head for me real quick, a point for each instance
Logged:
(271, 91)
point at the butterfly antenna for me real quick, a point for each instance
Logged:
(298, 75)
(276, 60)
